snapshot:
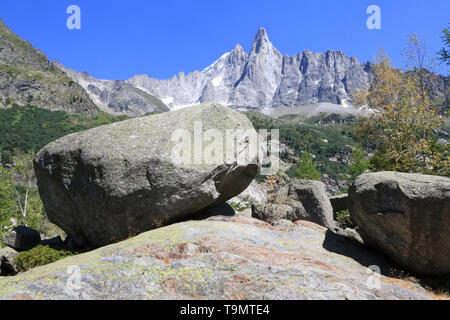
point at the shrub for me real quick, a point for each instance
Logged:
(344, 220)
(238, 207)
(39, 256)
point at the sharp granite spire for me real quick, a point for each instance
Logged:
(263, 78)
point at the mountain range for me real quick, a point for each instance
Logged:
(261, 79)
(114, 96)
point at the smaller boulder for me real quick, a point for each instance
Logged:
(7, 267)
(22, 238)
(340, 202)
(300, 200)
(314, 199)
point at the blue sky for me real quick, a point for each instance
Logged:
(119, 39)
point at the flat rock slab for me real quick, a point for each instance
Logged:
(219, 258)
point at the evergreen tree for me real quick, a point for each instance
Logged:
(445, 52)
(359, 162)
(305, 169)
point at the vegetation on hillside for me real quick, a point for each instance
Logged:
(28, 77)
(28, 129)
(329, 145)
(359, 162)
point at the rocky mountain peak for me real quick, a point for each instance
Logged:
(262, 78)
(261, 41)
(238, 51)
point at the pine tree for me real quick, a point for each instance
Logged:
(445, 52)
(306, 169)
(359, 162)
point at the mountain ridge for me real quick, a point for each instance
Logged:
(263, 78)
(27, 77)
(114, 96)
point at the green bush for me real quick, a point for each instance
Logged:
(39, 256)
(344, 220)
(238, 207)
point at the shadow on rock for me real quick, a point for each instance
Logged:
(223, 209)
(363, 255)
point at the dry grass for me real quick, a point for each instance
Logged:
(439, 294)
(437, 287)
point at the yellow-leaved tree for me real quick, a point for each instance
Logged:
(404, 116)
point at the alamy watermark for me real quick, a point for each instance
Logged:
(232, 146)
(374, 21)
(74, 280)
(74, 20)
(374, 280)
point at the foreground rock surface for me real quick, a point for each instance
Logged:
(112, 182)
(407, 216)
(219, 258)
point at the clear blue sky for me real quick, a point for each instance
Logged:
(122, 38)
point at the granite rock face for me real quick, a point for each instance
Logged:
(407, 216)
(109, 183)
(116, 97)
(222, 258)
(263, 78)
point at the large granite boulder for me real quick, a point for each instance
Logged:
(222, 258)
(22, 238)
(112, 182)
(299, 200)
(407, 216)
